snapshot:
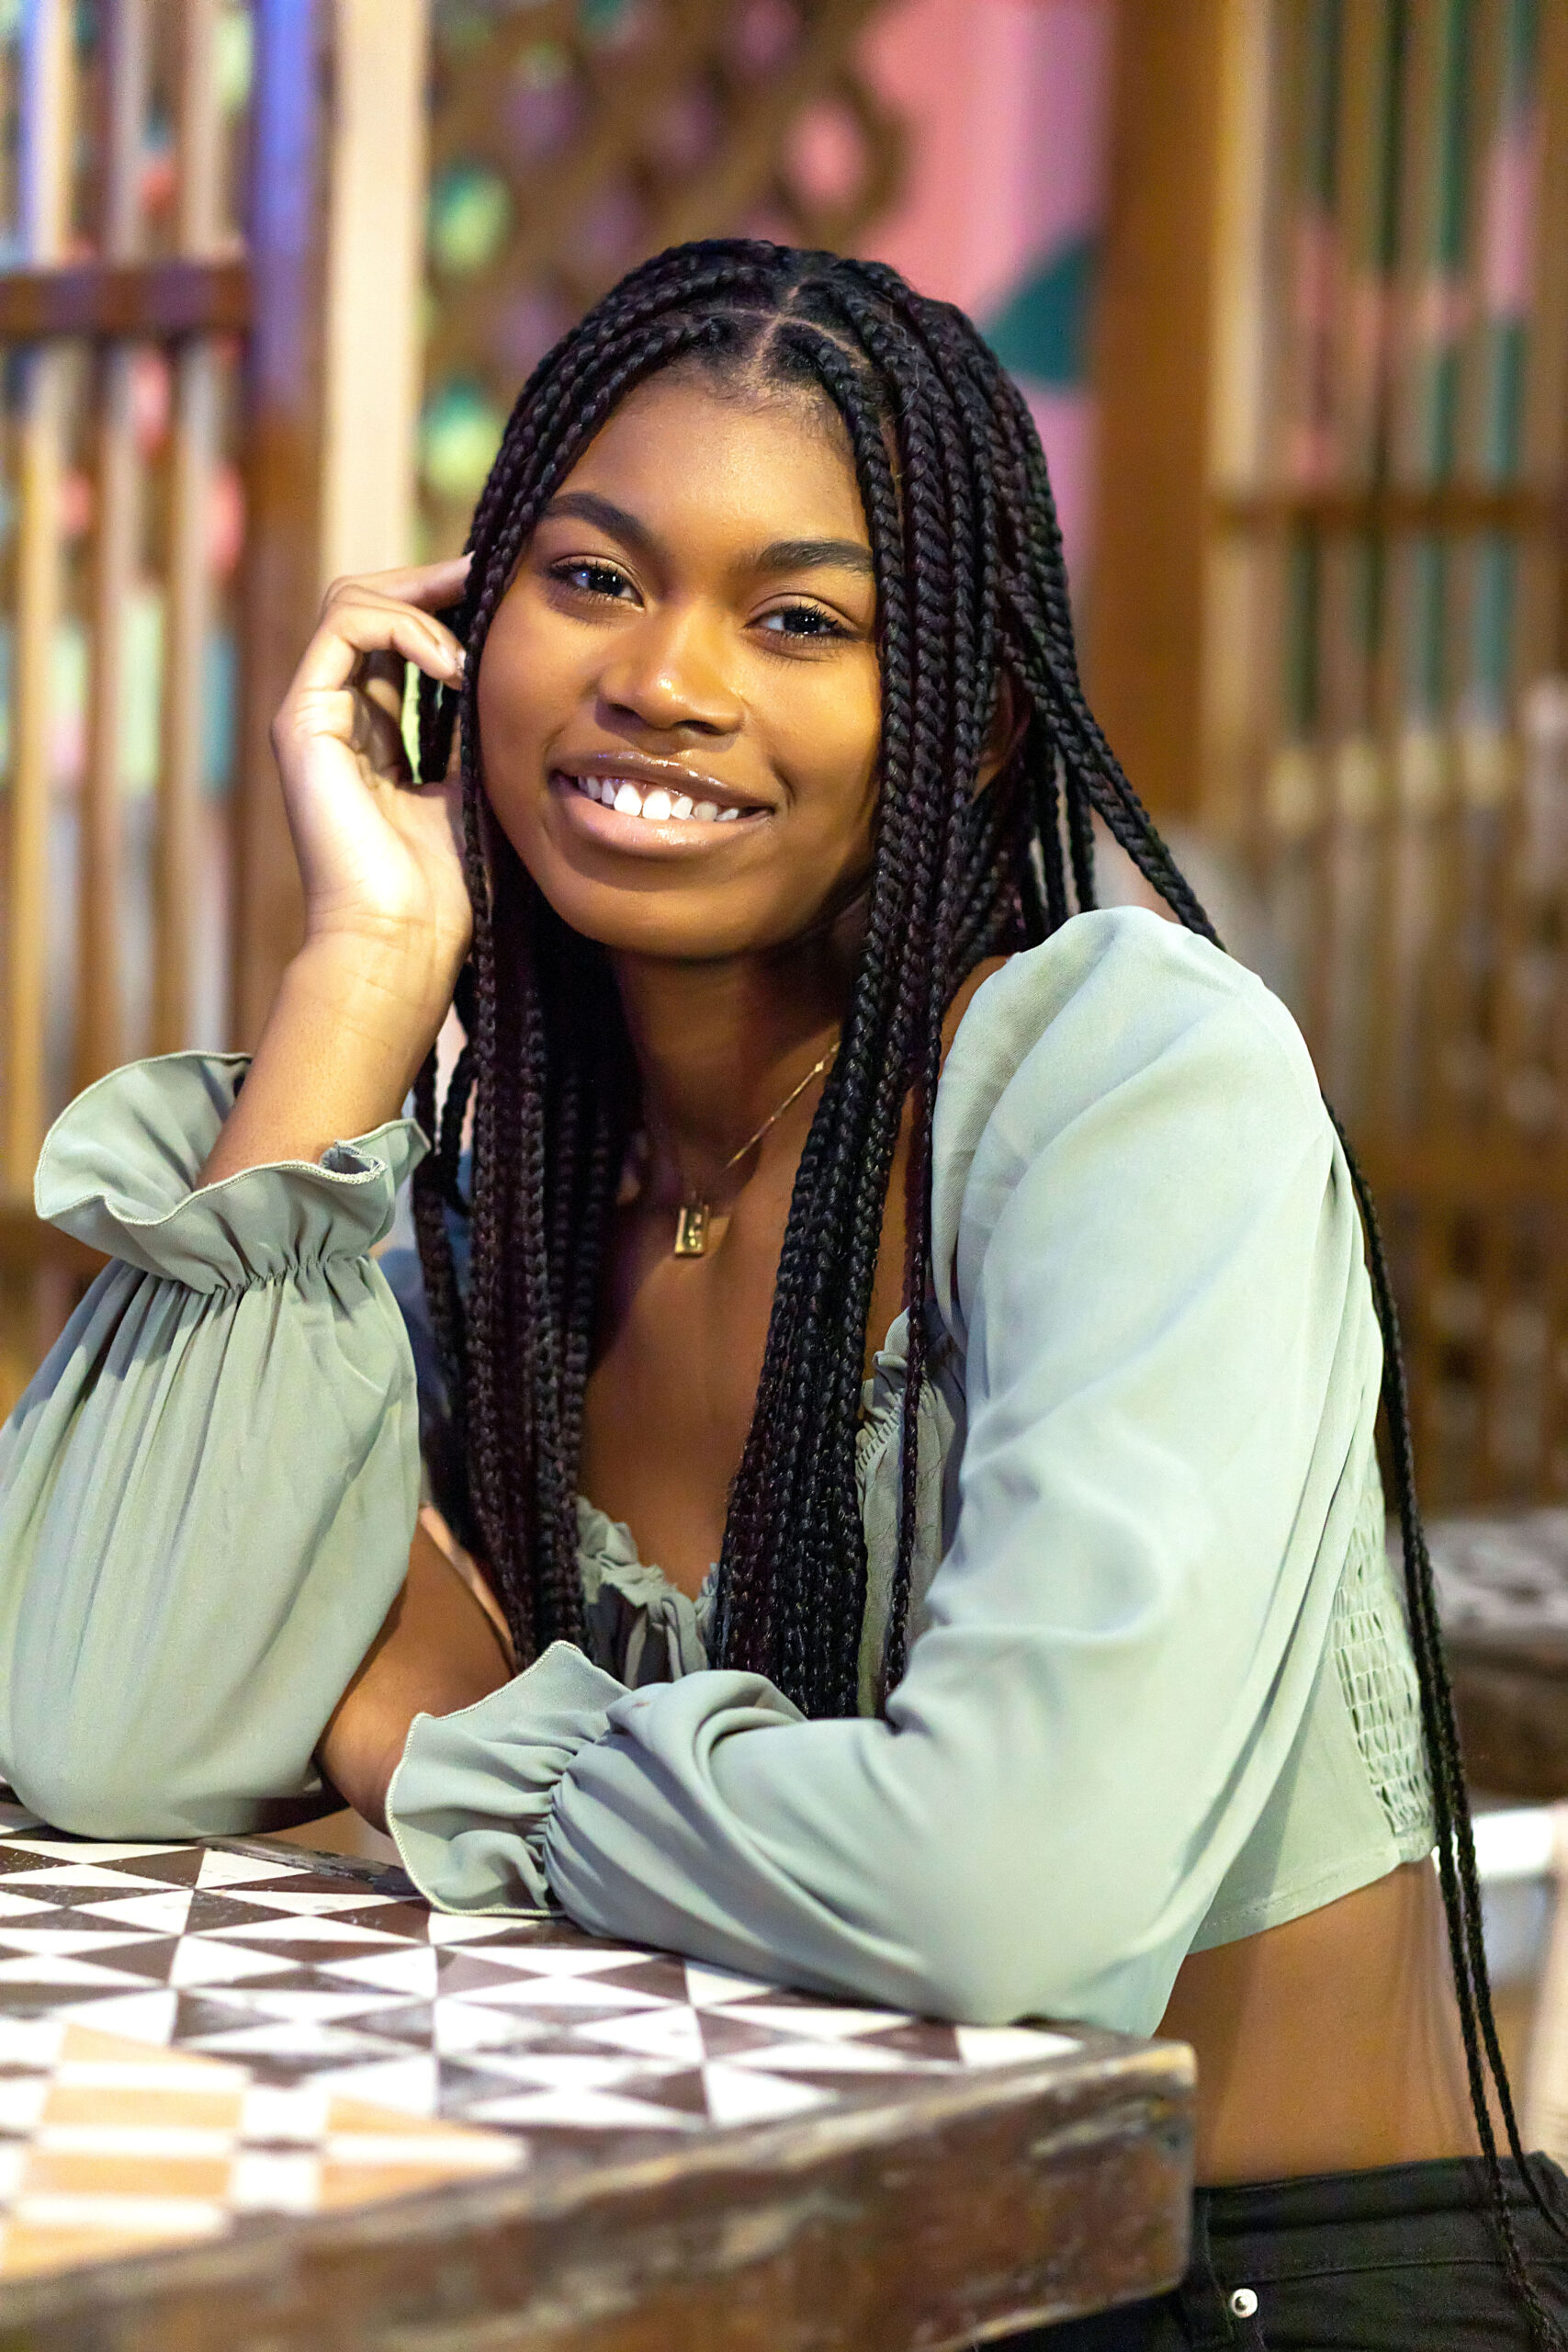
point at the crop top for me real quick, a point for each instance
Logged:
(1160, 1694)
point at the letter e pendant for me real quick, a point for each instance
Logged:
(691, 1229)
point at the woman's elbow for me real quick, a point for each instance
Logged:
(107, 1777)
(975, 1974)
(89, 1796)
(975, 1950)
(991, 1945)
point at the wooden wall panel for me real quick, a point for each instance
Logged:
(1331, 573)
(131, 321)
(1153, 362)
(287, 250)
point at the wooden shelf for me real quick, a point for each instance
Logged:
(1488, 1169)
(1385, 509)
(117, 300)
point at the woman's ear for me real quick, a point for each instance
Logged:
(1009, 719)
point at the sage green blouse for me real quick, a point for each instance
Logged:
(1160, 1694)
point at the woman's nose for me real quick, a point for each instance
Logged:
(669, 672)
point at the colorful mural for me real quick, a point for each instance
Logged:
(1006, 105)
(1002, 108)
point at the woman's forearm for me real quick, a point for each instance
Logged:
(342, 1046)
(387, 913)
(438, 1651)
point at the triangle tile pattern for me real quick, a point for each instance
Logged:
(192, 2034)
(108, 2147)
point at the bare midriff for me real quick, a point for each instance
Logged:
(1329, 2044)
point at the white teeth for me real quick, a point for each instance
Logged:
(629, 799)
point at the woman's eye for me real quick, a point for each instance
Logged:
(802, 620)
(594, 579)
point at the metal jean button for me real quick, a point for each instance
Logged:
(1243, 2303)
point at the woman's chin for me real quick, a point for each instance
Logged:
(663, 912)
(680, 900)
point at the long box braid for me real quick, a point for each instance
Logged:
(971, 584)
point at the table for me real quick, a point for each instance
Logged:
(1502, 1581)
(260, 2098)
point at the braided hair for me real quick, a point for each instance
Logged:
(971, 588)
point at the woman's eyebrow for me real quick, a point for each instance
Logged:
(782, 555)
(814, 555)
(587, 507)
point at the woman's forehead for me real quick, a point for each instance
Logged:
(687, 456)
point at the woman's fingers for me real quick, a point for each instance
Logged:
(364, 623)
(372, 626)
(339, 715)
(378, 736)
(380, 681)
(429, 585)
(374, 862)
(425, 589)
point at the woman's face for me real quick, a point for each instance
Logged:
(679, 697)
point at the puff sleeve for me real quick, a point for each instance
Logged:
(209, 1491)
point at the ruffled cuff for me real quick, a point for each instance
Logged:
(471, 1796)
(118, 1170)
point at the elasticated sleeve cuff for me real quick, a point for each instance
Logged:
(118, 1172)
(470, 1800)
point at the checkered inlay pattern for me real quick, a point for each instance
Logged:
(293, 2031)
(108, 2147)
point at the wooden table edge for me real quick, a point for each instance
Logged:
(271, 2262)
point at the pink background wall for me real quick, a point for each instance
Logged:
(1007, 104)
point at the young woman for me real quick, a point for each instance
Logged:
(961, 1297)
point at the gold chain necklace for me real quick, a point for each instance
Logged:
(692, 1217)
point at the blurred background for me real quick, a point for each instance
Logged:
(1285, 283)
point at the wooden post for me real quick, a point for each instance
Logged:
(282, 585)
(375, 278)
(44, 177)
(1143, 657)
(99, 1026)
(189, 590)
(337, 255)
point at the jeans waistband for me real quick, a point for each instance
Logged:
(1288, 2228)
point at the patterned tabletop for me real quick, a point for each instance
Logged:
(192, 2035)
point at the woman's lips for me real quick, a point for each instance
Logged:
(625, 810)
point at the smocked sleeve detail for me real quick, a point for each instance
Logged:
(209, 1491)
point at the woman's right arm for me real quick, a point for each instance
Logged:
(208, 1494)
(387, 914)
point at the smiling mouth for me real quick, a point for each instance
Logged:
(655, 802)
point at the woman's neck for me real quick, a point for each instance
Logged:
(719, 1045)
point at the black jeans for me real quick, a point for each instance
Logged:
(1402, 2259)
